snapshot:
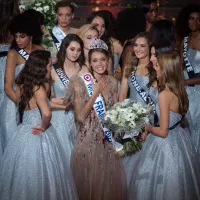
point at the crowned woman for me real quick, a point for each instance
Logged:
(97, 172)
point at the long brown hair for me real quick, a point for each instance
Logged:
(33, 74)
(8, 10)
(172, 76)
(132, 59)
(61, 55)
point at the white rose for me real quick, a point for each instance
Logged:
(21, 8)
(46, 8)
(132, 124)
(39, 9)
(136, 106)
(146, 120)
(38, 4)
(114, 112)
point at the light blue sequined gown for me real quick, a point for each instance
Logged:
(194, 97)
(153, 92)
(34, 167)
(3, 51)
(63, 121)
(116, 61)
(167, 168)
(9, 114)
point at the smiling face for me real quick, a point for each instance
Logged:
(194, 22)
(155, 63)
(22, 40)
(99, 62)
(141, 48)
(73, 51)
(64, 16)
(90, 35)
(100, 25)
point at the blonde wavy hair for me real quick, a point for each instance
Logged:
(172, 77)
(132, 60)
(85, 28)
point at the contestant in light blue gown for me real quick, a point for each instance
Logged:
(3, 56)
(9, 113)
(63, 118)
(167, 168)
(141, 56)
(63, 121)
(24, 29)
(34, 166)
(194, 97)
(153, 93)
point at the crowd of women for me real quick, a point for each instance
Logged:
(52, 142)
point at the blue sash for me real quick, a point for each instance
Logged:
(146, 98)
(61, 74)
(22, 53)
(188, 66)
(56, 42)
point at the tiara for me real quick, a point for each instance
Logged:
(97, 44)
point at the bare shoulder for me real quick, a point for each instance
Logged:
(12, 53)
(165, 96)
(38, 47)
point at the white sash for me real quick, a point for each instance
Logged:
(100, 109)
(58, 33)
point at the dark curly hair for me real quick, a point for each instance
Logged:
(181, 27)
(162, 33)
(32, 75)
(128, 25)
(8, 10)
(61, 55)
(24, 23)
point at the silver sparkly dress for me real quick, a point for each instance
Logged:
(63, 121)
(166, 168)
(34, 167)
(3, 55)
(194, 97)
(9, 114)
(153, 92)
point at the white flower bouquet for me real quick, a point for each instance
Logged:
(126, 120)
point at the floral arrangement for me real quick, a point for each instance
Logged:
(126, 120)
(46, 7)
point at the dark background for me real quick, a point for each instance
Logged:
(168, 9)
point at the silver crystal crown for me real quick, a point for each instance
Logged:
(97, 44)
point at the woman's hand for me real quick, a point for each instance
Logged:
(69, 106)
(58, 100)
(148, 128)
(143, 136)
(37, 129)
(99, 87)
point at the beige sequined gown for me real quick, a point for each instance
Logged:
(98, 173)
